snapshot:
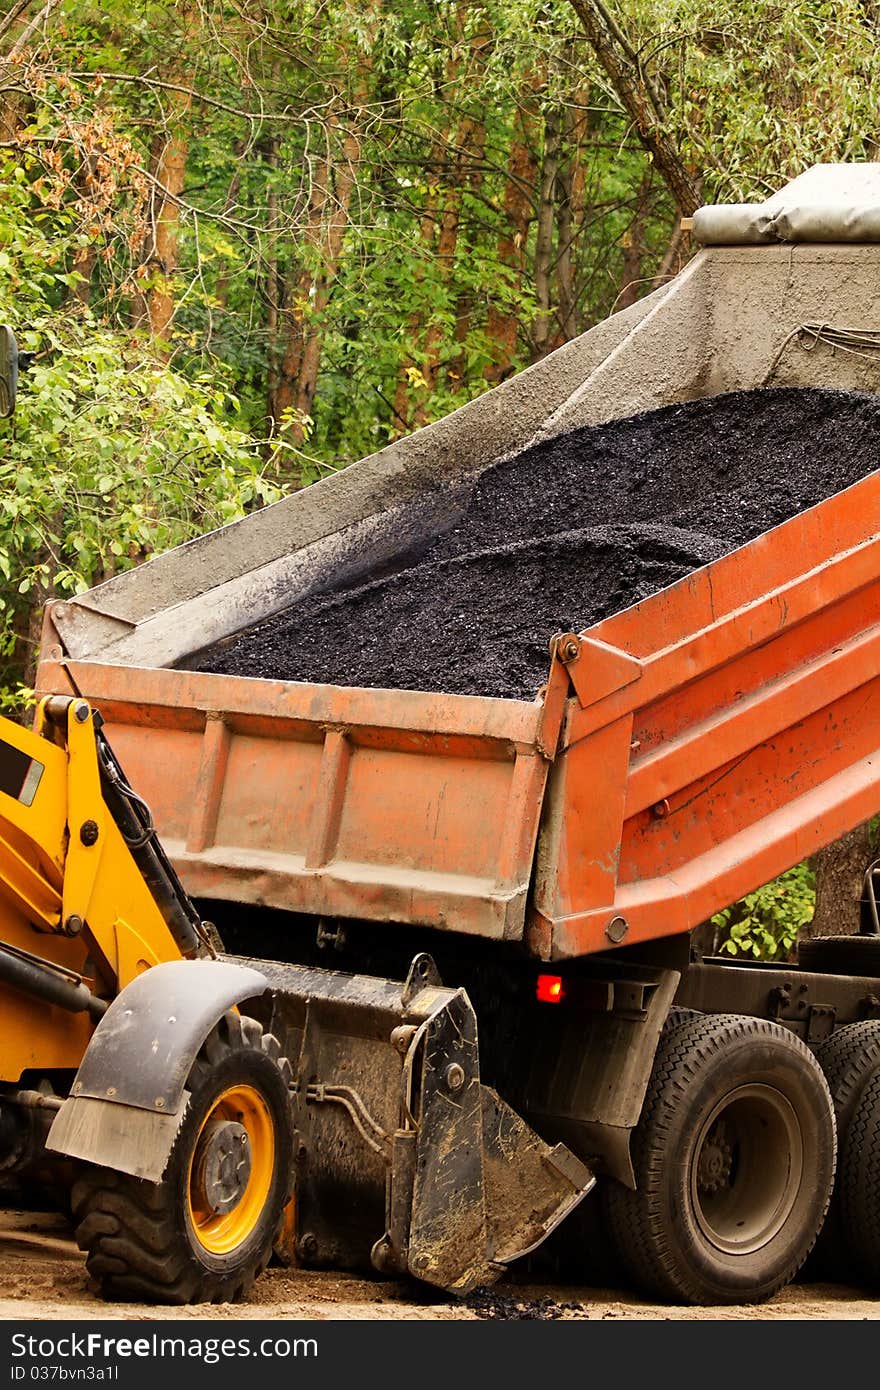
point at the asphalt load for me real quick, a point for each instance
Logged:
(562, 535)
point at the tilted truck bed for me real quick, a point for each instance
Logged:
(683, 752)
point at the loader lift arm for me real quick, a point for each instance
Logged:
(81, 872)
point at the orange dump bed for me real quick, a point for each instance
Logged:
(683, 752)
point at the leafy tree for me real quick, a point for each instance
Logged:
(765, 924)
(111, 454)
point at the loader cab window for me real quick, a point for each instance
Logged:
(19, 774)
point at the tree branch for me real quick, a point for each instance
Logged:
(31, 28)
(640, 101)
(14, 15)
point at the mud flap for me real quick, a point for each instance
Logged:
(129, 1096)
(404, 1159)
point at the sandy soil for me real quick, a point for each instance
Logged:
(42, 1275)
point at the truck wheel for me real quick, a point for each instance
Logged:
(841, 955)
(734, 1163)
(858, 1185)
(849, 1059)
(204, 1233)
(677, 1016)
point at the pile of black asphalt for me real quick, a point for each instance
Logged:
(562, 535)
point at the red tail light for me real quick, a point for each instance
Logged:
(550, 989)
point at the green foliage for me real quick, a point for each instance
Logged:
(765, 924)
(111, 455)
(284, 102)
(758, 91)
(245, 232)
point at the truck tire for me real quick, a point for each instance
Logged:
(841, 955)
(849, 1059)
(677, 1016)
(858, 1189)
(734, 1162)
(204, 1233)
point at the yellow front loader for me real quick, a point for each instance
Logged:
(111, 991)
(129, 1080)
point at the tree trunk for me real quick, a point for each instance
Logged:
(171, 175)
(633, 244)
(464, 173)
(672, 256)
(839, 871)
(570, 211)
(14, 14)
(565, 233)
(464, 307)
(221, 289)
(544, 237)
(334, 236)
(138, 310)
(332, 187)
(14, 105)
(502, 324)
(638, 97)
(438, 239)
(30, 30)
(273, 289)
(408, 369)
(84, 264)
(447, 241)
(299, 295)
(160, 251)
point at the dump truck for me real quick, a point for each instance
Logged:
(466, 921)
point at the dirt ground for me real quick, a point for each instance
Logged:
(42, 1275)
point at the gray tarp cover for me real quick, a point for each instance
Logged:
(757, 224)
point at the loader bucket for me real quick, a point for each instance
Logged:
(403, 1159)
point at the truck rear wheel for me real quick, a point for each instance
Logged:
(678, 1016)
(858, 1190)
(734, 1161)
(849, 1059)
(206, 1231)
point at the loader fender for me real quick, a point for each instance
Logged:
(129, 1095)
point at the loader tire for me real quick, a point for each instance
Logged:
(841, 955)
(206, 1231)
(734, 1161)
(850, 1058)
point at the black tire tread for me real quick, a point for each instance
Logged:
(848, 1058)
(677, 1016)
(125, 1224)
(636, 1219)
(859, 1184)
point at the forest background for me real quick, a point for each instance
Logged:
(250, 242)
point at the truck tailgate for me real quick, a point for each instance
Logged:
(385, 805)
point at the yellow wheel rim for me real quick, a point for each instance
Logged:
(220, 1233)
